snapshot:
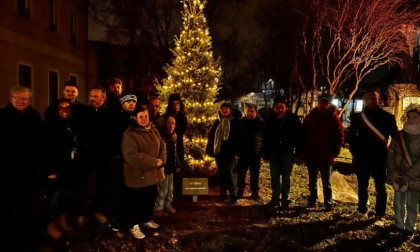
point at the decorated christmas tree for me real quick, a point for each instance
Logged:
(195, 75)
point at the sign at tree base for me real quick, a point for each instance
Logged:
(195, 186)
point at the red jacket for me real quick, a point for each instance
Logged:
(323, 135)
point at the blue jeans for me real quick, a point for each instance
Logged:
(280, 165)
(325, 171)
(364, 169)
(225, 169)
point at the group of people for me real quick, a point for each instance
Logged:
(133, 156)
(113, 159)
(281, 139)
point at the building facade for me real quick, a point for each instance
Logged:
(43, 43)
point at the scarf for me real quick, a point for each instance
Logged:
(221, 134)
(412, 129)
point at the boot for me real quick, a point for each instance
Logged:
(233, 199)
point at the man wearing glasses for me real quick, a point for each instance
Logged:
(20, 157)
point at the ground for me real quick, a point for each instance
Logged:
(206, 225)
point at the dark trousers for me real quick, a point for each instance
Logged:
(325, 171)
(364, 169)
(18, 197)
(225, 169)
(140, 204)
(98, 183)
(114, 190)
(280, 165)
(253, 162)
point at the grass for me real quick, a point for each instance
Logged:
(249, 226)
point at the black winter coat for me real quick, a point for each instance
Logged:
(251, 135)
(21, 144)
(172, 161)
(282, 135)
(229, 148)
(362, 143)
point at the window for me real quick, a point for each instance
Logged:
(52, 86)
(25, 76)
(23, 8)
(52, 15)
(73, 24)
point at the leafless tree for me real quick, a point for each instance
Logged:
(147, 29)
(145, 22)
(348, 39)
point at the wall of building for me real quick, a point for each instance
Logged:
(33, 42)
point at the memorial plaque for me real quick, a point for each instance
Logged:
(195, 186)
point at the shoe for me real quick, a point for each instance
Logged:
(170, 210)
(100, 217)
(272, 204)
(240, 194)
(136, 232)
(159, 214)
(395, 230)
(222, 199)
(329, 207)
(53, 231)
(80, 220)
(311, 205)
(284, 208)
(255, 196)
(113, 225)
(232, 200)
(151, 224)
(64, 223)
(358, 216)
(407, 235)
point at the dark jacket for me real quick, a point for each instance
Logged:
(282, 135)
(62, 150)
(229, 148)
(172, 161)
(324, 137)
(100, 134)
(21, 143)
(251, 135)
(180, 129)
(362, 143)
